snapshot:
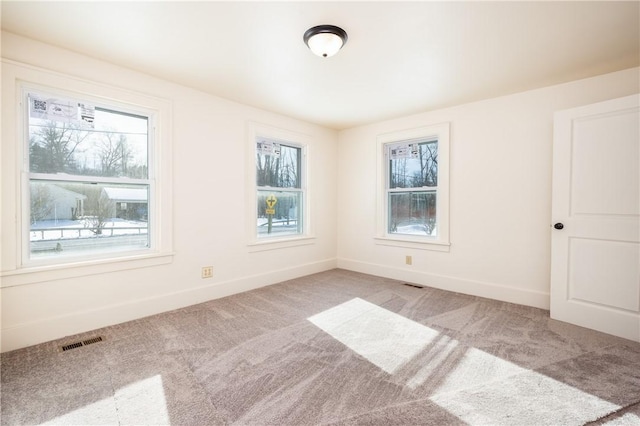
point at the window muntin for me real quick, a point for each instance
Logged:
(412, 187)
(89, 183)
(280, 195)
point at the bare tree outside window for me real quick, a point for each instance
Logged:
(114, 154)
(53, 147)
(412, 186)
(99, 209)
(278, 176)
(42, 203)
(74, 197)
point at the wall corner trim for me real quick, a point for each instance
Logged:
(459, 285)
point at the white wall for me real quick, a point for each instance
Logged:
(500, 203)
(209, 141)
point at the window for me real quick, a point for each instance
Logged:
(280, 198)
(277, 194)
(412, 187)
(91, 184)
(413, 207)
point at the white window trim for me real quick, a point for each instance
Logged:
(440, 132)
(20, 269)
(287, 137)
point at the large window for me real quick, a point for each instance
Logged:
(413, 207)
(280, 195)
(90, 178)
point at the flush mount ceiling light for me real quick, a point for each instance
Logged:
(325, 40)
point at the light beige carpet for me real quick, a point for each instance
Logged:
(333, 348)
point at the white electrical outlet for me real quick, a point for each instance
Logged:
(207, 272)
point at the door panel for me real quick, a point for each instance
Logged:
(595, 257)
(595, 279)
(604, 165)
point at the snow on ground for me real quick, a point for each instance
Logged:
(72, 229)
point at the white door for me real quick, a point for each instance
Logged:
(595, 255)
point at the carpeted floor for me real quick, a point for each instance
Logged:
(336, 348)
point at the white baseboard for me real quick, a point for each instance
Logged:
(27, 334)
(459, 285)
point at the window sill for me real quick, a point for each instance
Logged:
(413, 243)
(280, 243)
(38, 274)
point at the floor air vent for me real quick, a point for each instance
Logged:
(412, 285)
(80, 344)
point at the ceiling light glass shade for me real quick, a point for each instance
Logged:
(325, 40)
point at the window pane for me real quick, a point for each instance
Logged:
(115, 145)
(413, 213)
(81, 218)
(413, 165)
(279, 213)
(280, 168)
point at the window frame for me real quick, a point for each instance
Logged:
(23, 269)
(287, 138)
(440, 242)
(149, 181)
(297, 189)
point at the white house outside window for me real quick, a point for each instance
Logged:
(90, 178)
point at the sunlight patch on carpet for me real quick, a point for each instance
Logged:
(527, 398)
(101, 412)
(386, 339)
(477, 387)
(474, 366)
(143, 402)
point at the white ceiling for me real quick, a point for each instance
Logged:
(401, 57)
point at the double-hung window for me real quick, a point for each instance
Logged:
(277, 192)
(414, 186)
(89, 178)
(280, 195)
